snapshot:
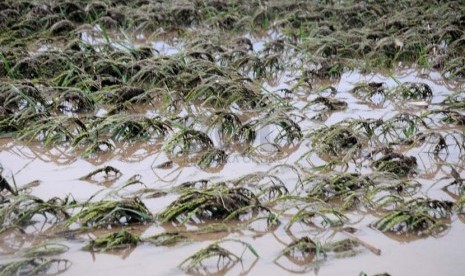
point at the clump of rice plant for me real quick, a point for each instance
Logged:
(123, 127)
(188, 142)
(216, 203)
(337, 185)
(109, 173)
(119, 240)
(19, 96)
(23, 210)
(213, 158)
(35, 266)
(396, 163)
(231, 128)
(317, 216)
(74, 100)
(5, 186)
(447, 116)
(400, 128)
(54, 131)
(455, 101)
(225, 259)
(282, 129)
(337, 141)
(108, 212)
(372, 91)
(419, 216)
(329, 104)
(341, 246)
(414, 91)
(166, 239)
(46, 249)
(304, 251)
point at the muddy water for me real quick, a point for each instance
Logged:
(59, 170)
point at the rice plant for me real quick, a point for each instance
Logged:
(108, 212)
(337, 141)
(215, 203)
(188, 142)
(396, 163)
(119, 240)
(24, 211)
(419, 216)
(53, 131)
(304, 251)
(414, 91)
(198, 261)
(167, 239)
(35, 266)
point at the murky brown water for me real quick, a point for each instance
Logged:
(59, 171)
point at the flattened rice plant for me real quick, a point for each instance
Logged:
(188, 142)
(420, 217)
(304, 251)
(413, 91)
(226, 259)
(455, 101)
(120, 240)
(123, 127)
(108, 212)
(166, 239)
(35, 266)
(215, 203)
(337, 141)
(396, 163)
(22, 210)
(53, 130)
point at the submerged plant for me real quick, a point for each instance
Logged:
(123, 127)
(337, 141)
(23, 210)
(5, 186)
(35, 266)
(120, 240)
(418, 216)
(396, 163)
(328, 103)
(337, 185)
(166, 239)
(317, 217)
(304, 251)
(215, 203)
(54, 131)
(373, 91)
(402, 222)
(46, 249)
(414, 91)
(198, 261)
(109, 171)
(188, 142)
(108, 212)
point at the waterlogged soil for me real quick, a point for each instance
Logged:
(266, 138)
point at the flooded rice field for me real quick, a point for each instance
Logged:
(230, 137)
